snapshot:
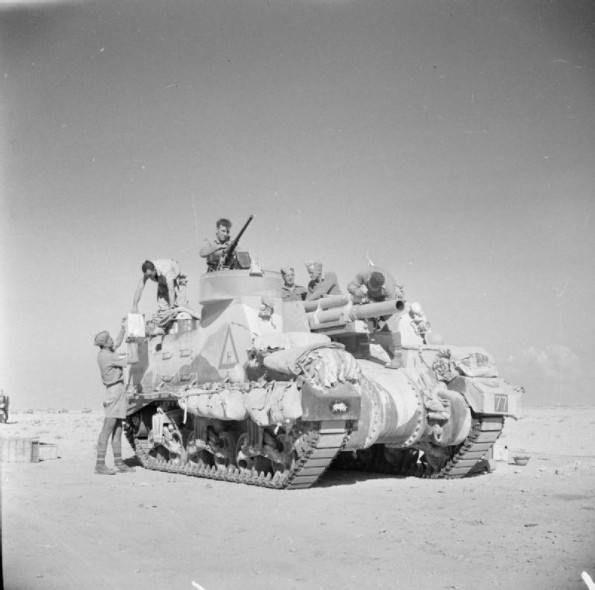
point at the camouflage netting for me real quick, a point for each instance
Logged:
(469, 362)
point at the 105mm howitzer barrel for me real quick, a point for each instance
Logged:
(349, 313)
(326, 302)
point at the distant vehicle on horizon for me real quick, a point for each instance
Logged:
(4, 402)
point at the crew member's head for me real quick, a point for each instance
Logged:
(103, 340)
(376, 281)
(149, 270)
(288, 274)
(223, 229)
(314, 270)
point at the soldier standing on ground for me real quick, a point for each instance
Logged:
(321, 284)
(213, 250)
(290, 291)
(166, 273)
(111, 367)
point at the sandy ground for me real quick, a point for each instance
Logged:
(63, 527)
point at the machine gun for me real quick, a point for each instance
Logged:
(229, 259)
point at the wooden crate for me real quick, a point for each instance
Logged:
(19, 450)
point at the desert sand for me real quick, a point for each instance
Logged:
(63, 527)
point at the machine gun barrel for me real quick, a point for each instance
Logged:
(326, 302)
(229, 256)
(356, 312)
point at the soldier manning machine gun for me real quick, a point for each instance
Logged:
(265, 392)
(230, 259)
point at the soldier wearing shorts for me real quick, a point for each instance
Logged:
(111, 367)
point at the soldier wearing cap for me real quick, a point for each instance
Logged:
(290, 291)
(111, 366)
(321, 283)
(374, 284)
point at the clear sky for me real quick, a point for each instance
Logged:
(452, 142)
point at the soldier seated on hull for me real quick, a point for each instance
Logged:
(170, 282)
(216, 249)
(322, 284)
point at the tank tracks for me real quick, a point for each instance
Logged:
(317, 450)
(465, 461)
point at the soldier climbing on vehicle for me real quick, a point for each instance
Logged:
(170, 282)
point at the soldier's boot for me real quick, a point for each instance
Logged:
(391, 343)
(395, 362)
(103, 469)
(121, 467)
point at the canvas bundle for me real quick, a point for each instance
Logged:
(224, 404)
(274, 404)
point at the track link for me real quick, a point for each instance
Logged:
(318, 449)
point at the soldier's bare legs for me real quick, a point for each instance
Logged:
(117, 449)
(106, 431)
(112, 427)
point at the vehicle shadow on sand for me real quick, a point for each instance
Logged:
(133, 461)
(336, 477)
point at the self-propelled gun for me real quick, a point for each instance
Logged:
(260, 391)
